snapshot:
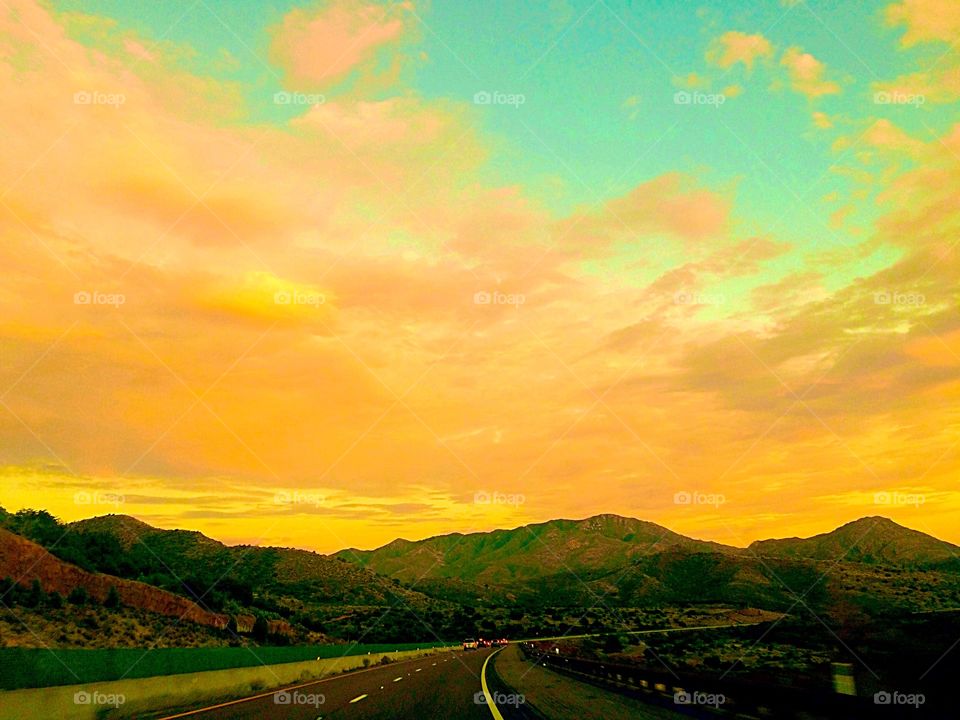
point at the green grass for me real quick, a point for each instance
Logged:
(34, 667)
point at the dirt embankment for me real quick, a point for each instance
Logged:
(25, 561)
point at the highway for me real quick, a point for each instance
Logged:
(445, 686)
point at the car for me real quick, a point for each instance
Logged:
(485, 643)
(470, 644)
(499, 643)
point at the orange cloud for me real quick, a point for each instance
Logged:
(940, 84)
(807, 74)
(734, 46)
(319, 46)
(670, 204)
(639, 347)
(822, 120)
(885, 135)
(926, 20)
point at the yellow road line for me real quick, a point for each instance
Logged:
(358, 698)
(486, 690)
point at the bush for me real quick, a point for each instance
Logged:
(113, 599)
(385, 660)
(35, 596)
(78, 596)
(612, 644)
(6, 590)
(260, 629)
(54, 600)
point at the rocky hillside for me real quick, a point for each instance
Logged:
(25, 561)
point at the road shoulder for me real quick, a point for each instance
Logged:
(547, 694)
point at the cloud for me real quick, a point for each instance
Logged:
(887, 136)
(692, 81)
(940, 84)
(672, 311)
(738, 47)
(822, 120)
(926, 20)
(671, 204)
(319, 46)
(807, 74)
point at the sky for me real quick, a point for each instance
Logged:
(324, 274)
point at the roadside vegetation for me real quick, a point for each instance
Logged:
(37, 667)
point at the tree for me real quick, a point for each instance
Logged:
(37, 525)
(34, 596)
(7, 592)
(113, 599)
(612, 644)
(54, 600)
(260, 629)
(78, 596)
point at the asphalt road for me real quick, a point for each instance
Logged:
(446, 686)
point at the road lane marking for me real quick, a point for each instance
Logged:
(260, 696)
(398, 679)
(486, 689)
(418, 669)
(358, 698)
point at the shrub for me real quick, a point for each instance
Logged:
(260, 629)
(35, 595)
(113, 599)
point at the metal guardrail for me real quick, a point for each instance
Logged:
(710, 697)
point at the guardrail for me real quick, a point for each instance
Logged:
(710, 697)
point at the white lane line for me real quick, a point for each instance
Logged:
(398, 679)
(418, 669)
(486, 690)
(358, 698)
(260, 696)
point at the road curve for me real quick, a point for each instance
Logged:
(445, 686)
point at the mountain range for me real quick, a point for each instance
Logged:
(612, 541)
(872, 563)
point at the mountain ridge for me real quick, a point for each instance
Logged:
(128, 529)
(873, 539)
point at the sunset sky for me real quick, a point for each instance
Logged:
(324, 274)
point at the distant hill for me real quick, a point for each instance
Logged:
(127, 530)
(628, 562)
(580, 547)
(193, 557)
(874, 540)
